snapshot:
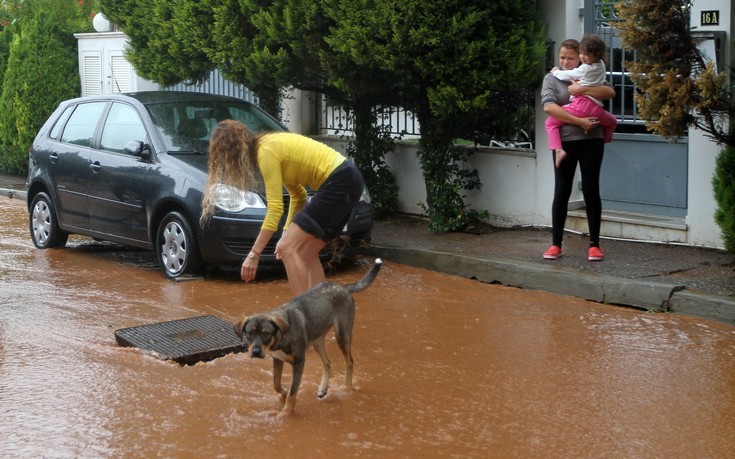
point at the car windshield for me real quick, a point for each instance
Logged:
(186, 126)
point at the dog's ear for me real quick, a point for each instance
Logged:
(240, 327)
(280, 323)
(281, 326)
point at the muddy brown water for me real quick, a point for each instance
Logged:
(444, 366)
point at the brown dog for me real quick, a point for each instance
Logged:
(288, 331)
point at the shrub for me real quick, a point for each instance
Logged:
(42, 71)
(723, 183)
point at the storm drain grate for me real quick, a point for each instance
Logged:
(185, 341)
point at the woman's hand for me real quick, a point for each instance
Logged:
(575, 88)
(588, 123)
(250, 263)
(249, 267)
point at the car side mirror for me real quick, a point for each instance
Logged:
(137, 148)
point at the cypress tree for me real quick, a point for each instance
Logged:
(42, 70)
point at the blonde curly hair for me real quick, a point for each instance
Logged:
(233, 161)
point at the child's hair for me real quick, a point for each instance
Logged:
(594, 46)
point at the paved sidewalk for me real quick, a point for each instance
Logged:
(659, 277)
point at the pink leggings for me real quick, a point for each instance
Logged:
(582, 107)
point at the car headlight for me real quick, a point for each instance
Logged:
(365, 196)
(232, 199)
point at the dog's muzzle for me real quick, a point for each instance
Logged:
(257, 352)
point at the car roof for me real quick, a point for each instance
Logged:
(147, 97)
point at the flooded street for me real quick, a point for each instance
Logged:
(444, 366)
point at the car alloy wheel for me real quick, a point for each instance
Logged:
(44, 227)
(178, 252)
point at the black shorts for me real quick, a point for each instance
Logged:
(328, 210)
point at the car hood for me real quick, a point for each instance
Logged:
(199, 162)
(195, 160)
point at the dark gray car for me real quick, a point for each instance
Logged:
(131, 168)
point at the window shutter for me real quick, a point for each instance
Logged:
(92, 84)
(120, 71)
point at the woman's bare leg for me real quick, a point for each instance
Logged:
(299, 252)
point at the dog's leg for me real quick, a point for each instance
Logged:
(277, 374)
(344, 341)
(324, 385)
(298, 371)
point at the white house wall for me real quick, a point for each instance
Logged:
(510, 189)
(702, 228)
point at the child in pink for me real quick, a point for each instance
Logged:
(590, 73)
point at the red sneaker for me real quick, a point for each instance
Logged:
(553, 253)
(595, 254)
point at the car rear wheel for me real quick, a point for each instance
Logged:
(178, 253)
(45, 230)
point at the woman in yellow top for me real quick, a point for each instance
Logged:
(239, 157)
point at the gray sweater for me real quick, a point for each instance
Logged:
(553, 90)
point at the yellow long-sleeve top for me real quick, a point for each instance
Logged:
(294, 161)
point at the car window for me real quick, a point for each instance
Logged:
(123, 124)
(187, 126)
(254, 118)
(80, 128)
(59, 125)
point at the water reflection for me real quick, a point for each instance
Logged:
(443, 366)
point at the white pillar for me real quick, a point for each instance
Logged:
(299, 111)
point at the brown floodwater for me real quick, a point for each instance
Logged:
(444, 366)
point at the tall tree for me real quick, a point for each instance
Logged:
(168, 42)
(453, 56)
(357, 63)
(269, 45)
(38, 67)
(677, 85)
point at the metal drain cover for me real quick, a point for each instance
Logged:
(185, 341)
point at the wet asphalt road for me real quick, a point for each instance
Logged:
(443, 366)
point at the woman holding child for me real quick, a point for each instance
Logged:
(583, 144)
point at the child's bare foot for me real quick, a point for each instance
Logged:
(560, 155)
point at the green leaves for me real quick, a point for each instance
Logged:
(168, 42)
(723, 183)
(677, 87)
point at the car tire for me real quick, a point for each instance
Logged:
(176, 244)
(43, 224)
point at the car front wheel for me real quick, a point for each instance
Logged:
(45, 230)
(178, 253)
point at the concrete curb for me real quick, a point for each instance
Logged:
(719, 308)
(14, 194)
(652, 296)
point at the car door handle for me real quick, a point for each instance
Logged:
(95, 166)
(53, 158)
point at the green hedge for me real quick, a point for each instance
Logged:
(42, 70)
(723, 183)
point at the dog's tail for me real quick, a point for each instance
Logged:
(365, 282)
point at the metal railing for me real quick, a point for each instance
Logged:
(507, 123)
(601, 19)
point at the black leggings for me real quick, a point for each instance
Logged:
(588, 153)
